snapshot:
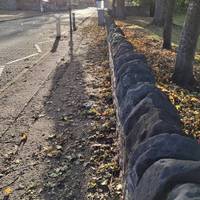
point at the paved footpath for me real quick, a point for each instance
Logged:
(40, 121)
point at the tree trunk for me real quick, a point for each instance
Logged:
(152, 8)
(167, 32)
(183, 74)
(113, 7)
(158, 19)
(120, 9)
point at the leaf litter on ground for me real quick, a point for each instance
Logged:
(105, 181)
(162, 63)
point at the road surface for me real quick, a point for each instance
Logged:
(24, 41)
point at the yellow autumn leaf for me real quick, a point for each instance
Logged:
(196, 112)
(178, 107)
(7, 191)
(119, 187)
(194, 99)
(24, 138)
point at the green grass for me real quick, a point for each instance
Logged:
(157, 32)
(179, 19)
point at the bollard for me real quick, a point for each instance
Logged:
(74, 22)
(70, 22)
(100, 10)
(58, 30)
(70, 32)
(101, 17)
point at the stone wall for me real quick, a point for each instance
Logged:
(159, 161)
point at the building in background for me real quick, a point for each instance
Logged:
(8, 4)
(28, 4)
(43, 5)
(108, 4)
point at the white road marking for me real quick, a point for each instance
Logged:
(45, 41)
(1, 69)
(23, 72)
(14, 61)
(38, 48)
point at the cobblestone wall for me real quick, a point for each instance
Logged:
(159, 161)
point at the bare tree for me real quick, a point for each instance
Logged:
(120, 9)
(167, 32)
(159, 13)
(152, 8)
(113, 7)
(183, 74)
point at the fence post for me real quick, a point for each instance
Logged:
(101, 10)
(74, 22)
(58, 29)
(70, 19)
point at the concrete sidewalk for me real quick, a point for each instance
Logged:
(7, 15)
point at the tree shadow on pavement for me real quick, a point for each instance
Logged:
(67, 152)
(55, 45)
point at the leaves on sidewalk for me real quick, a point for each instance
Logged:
(105, 181)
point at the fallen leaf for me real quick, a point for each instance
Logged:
(7, 191)
(119, 187)
(23, 138)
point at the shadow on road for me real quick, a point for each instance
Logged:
(68, 154)
(55, 45)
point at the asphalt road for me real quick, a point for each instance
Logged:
(23, 42)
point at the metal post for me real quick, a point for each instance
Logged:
(70, 20)
(41, 6)
(100, 9)
(74, 22)
(58, 32)
(71, 31)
